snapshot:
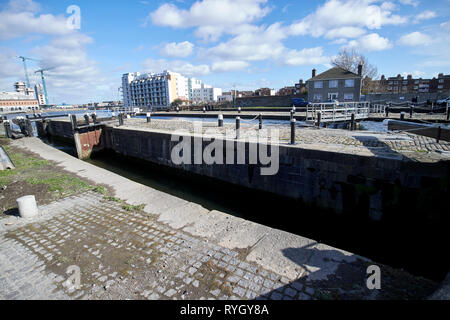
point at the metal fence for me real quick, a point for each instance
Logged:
(337, 111)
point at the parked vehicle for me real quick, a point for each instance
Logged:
(299, 102)
(443, 101)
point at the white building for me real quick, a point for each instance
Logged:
(39, 93)
(155, 90)
(206, 93)
(225, 97)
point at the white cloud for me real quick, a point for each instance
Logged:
(212, 18)
(178, 50)
(183, 67)
(415, 39)
(445, 25)
(415, 74)
(311, 56)
(335, 14)
(371, 42)
(345, 32)
(225, 66)
(413, 3)
(20, 18)
(426, 15)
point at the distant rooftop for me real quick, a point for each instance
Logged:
(335, 73)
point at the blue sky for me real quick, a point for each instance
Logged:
(244, 44)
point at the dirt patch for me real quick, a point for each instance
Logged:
(35, 176)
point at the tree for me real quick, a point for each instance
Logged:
(350, 60)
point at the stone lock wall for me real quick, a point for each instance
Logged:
(368, 187)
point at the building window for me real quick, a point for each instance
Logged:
(332, 95)
(333, 84)
(318, 84)
(317, 97)
(348, 96)
(349, 83)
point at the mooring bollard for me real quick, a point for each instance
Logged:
(204, 110)
(178, 109)
(149, 117)
(402, 115)
(7, 126)
(86, 119)
(29, 128)
(238, 127)
(120, 119)
(220, 120)
(293, 131)
(239, 110)
(94, 118)
(260, 121)
(352, 123)
(27, 207)
(319, 119)
(438, 135)
(294, 109)
(73, 120)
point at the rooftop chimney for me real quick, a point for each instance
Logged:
(360, 70)
(314, 73)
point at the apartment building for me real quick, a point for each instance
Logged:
(21, 99)
(286, 91)
(206, 93)
(264, 92)
(335, 84)
(399, 84)
(161, 89)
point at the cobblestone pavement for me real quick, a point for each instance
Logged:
(129, 255)
(378, 144)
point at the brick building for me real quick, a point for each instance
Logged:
(400, 85)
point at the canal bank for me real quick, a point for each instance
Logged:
(253, 260)
(412, 183)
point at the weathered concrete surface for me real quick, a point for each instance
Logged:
(173, 249)
(181, 214)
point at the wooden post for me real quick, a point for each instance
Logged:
(438, 136)
(293, 131)
(352, 123)
(238, 127)
(7, 126)
(448, 108)
(29, 128)
(260, 121)
(319, 118)
(73, 119)
(292, 115)
(220, 120)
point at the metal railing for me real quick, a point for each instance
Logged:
(337, 111)
(378, 108)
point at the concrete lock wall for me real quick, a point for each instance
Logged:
(343, 183)
(372, 187)
(267, 101)
(405, 97)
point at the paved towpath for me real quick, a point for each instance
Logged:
(172, 249)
